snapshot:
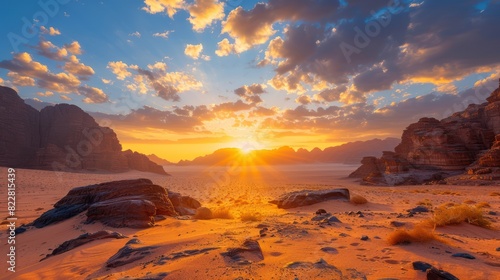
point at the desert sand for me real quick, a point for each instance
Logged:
(291, 244)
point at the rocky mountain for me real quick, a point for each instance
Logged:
(431, 150)
(158, 160)
(350, 152)
(61, 138)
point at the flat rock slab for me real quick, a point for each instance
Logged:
(129, 254)
(84, 239)
(249, 252)
(309, 197)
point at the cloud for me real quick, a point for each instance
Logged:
(366, 52)
(255, 27)
(50, 31)
(92, 94)
(25, 70)
(75, 67)
(119, 68)
(224, 48)
(251, 94)
(303, 99)
(167, 85)
(74, 48)
(135, 34)
(45, 94)
(19, 80)
(107, 82)
(204, 12)
(159, 6)
(64, 97)
(164, 34)
(193, 51)
(49, 50)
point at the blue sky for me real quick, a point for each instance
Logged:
(283, 77)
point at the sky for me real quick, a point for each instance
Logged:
(181, 79)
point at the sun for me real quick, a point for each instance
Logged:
(248, 146)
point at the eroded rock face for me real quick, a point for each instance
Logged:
(18, 121)
(61, 138)
(463, 141)
(308, 197)
(127, 203)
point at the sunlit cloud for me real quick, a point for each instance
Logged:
(205, 12)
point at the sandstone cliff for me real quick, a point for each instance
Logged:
(431, 149)
(61, 138)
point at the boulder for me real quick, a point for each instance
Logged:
(250, 251)
(309, 197)
(126, 203)
(184, 205)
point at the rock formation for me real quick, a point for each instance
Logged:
(61, 138)
(308, 197)
(127, 203)
(432, 149)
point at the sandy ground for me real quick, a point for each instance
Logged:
(292, 236)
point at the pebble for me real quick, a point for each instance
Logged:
(364, 238)
(463, 255)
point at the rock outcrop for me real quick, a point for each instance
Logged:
(84, 239)
(61, 138)
(127, 203)
(308, 197)
(431, 149)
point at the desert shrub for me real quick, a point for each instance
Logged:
(222, 213)
(250, 216)
(458, 214)
(469, 201)
(357, 199)
(203, 213)
(418, 234)
(425, 202)
(483, 204)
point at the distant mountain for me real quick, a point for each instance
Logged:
(158, 160)
(350, 153)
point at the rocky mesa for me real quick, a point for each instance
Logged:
(463, 147)
(61, 138)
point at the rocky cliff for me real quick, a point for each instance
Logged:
(61, 138)
(432, 150)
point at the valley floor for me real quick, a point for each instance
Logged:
(291, 244)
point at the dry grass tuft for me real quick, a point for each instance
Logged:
(203, 213)
(425, 202)
(469, 201)
(222, 213)
(357, 199)
(457, 214)
(250, 217)
(483, 204)
(418, 234)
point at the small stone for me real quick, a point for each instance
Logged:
(397, 224)
(361, 215)
(364, 238)
(419, 209)
(498, 249)
(492, 213)
(329, 250)
(463, 255)
(422, 266)
(436, 274)
(320, 212)
(332, 219)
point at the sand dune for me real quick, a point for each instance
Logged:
(293, 246)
